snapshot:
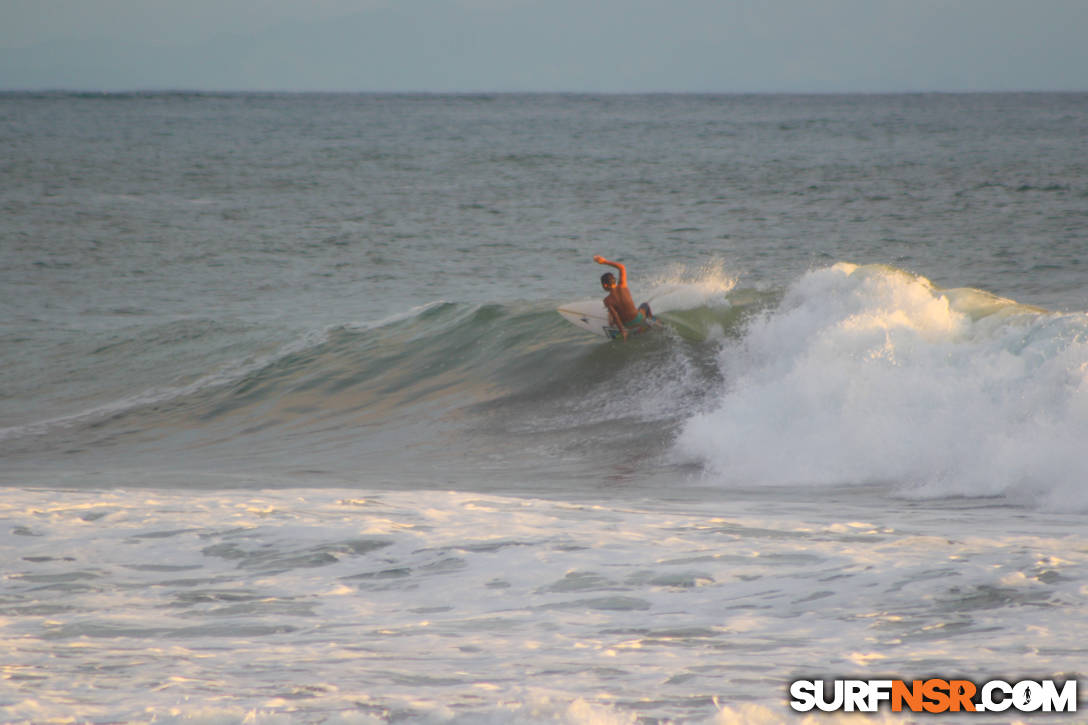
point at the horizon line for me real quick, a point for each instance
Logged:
(477, 93)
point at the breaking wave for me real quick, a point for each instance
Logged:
(872, 375)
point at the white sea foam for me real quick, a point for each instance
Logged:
(870, 374)
(360, 606)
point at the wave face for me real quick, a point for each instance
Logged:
(872, 375)
(853, 375)
(442, 392)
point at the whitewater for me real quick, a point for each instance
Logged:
(290, 429)
(860, 369)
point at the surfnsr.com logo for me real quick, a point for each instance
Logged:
(934, 695)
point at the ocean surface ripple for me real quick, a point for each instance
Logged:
(290, 430)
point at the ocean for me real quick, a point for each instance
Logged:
(290, 429)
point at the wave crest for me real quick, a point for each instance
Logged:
(871, 374)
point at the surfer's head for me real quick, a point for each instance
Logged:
(608, 280)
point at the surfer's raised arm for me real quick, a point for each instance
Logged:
(623, 270)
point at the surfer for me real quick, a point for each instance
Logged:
(621, 308)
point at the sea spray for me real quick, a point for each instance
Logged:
(870, 374)
(679, 288)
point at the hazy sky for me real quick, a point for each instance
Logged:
(545, 45)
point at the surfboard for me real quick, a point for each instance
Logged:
(591, 316)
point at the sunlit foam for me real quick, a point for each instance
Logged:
(681, 288)
(868, 374)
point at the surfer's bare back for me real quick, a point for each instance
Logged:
(622, 312)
